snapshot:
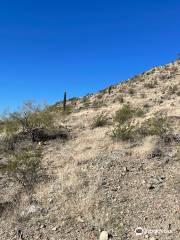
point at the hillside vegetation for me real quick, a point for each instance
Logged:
(106, 161)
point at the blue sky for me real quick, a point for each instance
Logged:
(81, 45)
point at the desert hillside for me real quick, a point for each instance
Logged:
(115, 166)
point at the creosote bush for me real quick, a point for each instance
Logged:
(99, 121)
(25, 168)
(124, 132)
(29, 118)
(126, 113)
(131, 91)
(173, 89)
(155, 126)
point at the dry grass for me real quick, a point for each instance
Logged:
(98, 182)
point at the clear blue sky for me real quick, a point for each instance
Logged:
(81, 45)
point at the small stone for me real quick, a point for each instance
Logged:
(104, 235)
(79, 219)
(32, 209)
(42, 226)
(54, 229)
(147, 236)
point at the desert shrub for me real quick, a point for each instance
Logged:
(68, 110)
(73, 99)
(139, 112)
(25, 168)
(131, 91)
(143, 95)
(97, 103)
(173, 89)
(42, 135)
(155, 126)
(178, 93)
(86, 101)
(150, 84)
(121, 99)
(126, 113)
(99, 121)
(7, 144)
(123, 132)
(10, 125)
(29, 118)
(146, 105)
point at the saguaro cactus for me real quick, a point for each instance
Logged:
(64, 101)
(109, 90)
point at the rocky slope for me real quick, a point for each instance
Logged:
(99, 183)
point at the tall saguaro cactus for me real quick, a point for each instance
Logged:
(64, 101)
(109, 90)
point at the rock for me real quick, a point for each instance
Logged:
(42, 135)
(30, 210)
(104, 235)
(42, 226)
(33, 209)
(80, 220)
(156, 153)
(54, 228)
(146, 236)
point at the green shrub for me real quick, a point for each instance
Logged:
(29, 118)
(139, 112)
(7, 144)
(131, 91)
(68, 110)
(121, 99)
(10, 125)
(73, 99)
(99, 121)
(126, 113)
(124, 132)
(25, 168)
(155, 126)
(173, 89)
